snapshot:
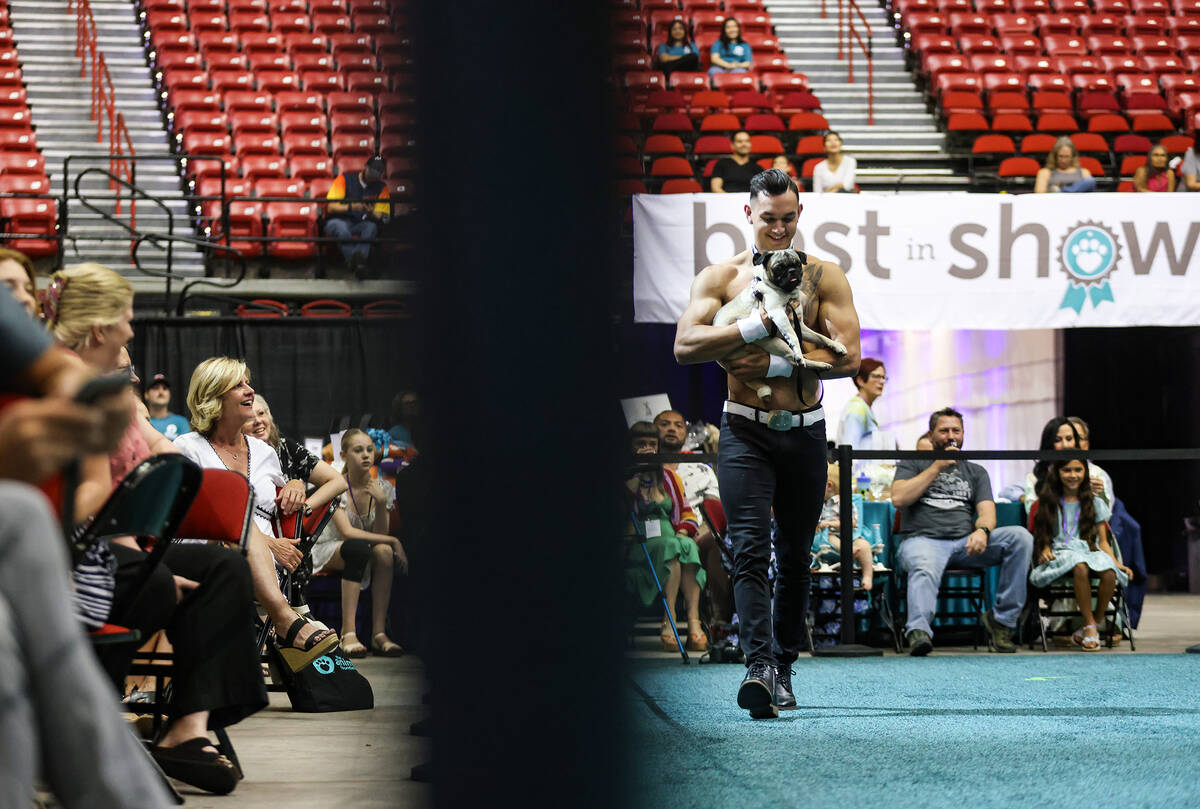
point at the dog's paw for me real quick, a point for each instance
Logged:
(763, 391)
(837, 348)
(813, 365)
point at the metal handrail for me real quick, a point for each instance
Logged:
(867, 49)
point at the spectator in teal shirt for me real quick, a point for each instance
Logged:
(678, 52)
(731, 53)
(158, 396)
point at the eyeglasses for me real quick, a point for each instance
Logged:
(877, 376)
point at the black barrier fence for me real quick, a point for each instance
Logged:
(313, 371)
(845, 455)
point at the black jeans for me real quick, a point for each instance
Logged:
(760, 468)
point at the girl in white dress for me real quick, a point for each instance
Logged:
(356, 543)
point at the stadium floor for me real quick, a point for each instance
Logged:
(950, 730)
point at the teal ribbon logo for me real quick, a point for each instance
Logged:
(1088, 255)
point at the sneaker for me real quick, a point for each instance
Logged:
(757, 692)
(919, 643)
(784, 700)
(999, 636)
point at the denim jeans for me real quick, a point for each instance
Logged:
(925, 559)
(355, 238)
(759, 468)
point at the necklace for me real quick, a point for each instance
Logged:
(234, 452)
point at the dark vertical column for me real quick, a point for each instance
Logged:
(522, 593)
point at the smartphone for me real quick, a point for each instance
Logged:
(101, 386)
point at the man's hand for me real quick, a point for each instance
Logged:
(40, 436)
(183, 586)
(940, 465)
(400, 556)
(1128, 571)
(977, 542)
(750, 362)
(291, 497)
(285, 552)
(1097, 486)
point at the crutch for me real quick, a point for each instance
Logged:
(641, 532)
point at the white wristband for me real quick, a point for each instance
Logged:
(752, 327)
(779, 367)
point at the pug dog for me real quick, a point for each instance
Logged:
(776, 288)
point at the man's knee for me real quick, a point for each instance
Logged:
(366, 230)
(24, 509)
(1016, 539)
(337, 228)
(916, 556)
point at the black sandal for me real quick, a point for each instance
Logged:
(316, 637)
(204, 769)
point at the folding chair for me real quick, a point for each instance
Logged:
(217, 513)
(1059, 600)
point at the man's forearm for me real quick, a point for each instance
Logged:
(843, 366)
(905, 492)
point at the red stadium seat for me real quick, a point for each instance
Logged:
(734, 82)
(924, 44)
(207, 120)
(1100, 44)
(672, 122)
(993, 145)
(289, 23)
(687, 83)
(927, 23)
(257, 143)
(298, 101)
(305, 42)
(764, 123)
(790, 103)
(248, 7)
(1013, 123)
(305, 143)
(985, 44)
(1038, 143)
(1131, 163)
(681, 186)
(185, 80)
(784, 82)
(357, 60)
(310, 166)
(1107, 123)
(331, 22)
(302, 61)
(1058, 24)
(256, 166)
(745, 102)
(966, 123)
(992, 63)
(810, 145)
(206, 143)
(17, 140)
(277, 81)
(226, 80)
(280, 187)
(179, 60)
(807, 122)
(1152, 122)
(1161, 44)
(225, 60)
(1018, 167)
(1059, 123)
(957, 81)
(1050, 101)
(663, 144)
(1003, 101)
(26, 215)
(1032, 6)
(1113, 7)
(1096, 102)
(236, 101)
(1015, 44)
(351, 150)
(24, 184)
(958, 101)
(295, 221)
(1074, 64)
(245, 223)
(1065, 45)
(1072, 7)
(720, 122)
(1177, 144)
(351, 123)
(1019, 25)
(195, 100)
(771, 63)
(671, 167)
(710, 145)
(972, 27)
(358, 102)
(367, 81)
(247, 22)
(1131, 144)
(1056, 82)
(1144, 25)
(1163, 64)
(166, 21)
(1116, 63)
(1090, 143)
(371, 22)
(1092, 165)
(1098, 24)
(321, 81)
(261, 42)
(765, 144)
(937, 64)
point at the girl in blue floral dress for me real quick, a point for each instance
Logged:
(1070, 537)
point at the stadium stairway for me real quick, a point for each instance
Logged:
(59, 101)
(903, 150)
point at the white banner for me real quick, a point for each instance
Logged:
(952, 261)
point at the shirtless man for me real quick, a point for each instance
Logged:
(781, 465)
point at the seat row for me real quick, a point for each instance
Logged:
(274, 6)
(962, 23)
(1152, 8)
(371, 22)
(701, 22)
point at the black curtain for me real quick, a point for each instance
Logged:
(313, 371)
(1137, 388)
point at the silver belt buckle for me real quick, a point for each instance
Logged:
(779, 420)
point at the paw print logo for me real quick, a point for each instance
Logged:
(1089, 252)
(323, 664)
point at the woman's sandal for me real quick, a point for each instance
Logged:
(667, 638)
(1090, 643)
(386, 647)
(204, 769)
(351, 647)
(317, 636)
(697, 641)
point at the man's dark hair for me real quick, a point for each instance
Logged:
(745, 132)
(772, 182)
(945, 411)
(642, 429)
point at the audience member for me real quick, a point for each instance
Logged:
(1071, 536)
(785, 164)
(16, 272)
(699, 483)
(200, 594)
(406, 419)
(1101, 481)
(1189, 170)
(678, 52)
(158, 398)
(1061, 433)
(732, 175)
(1062, 171)
(357, 545)
(948, 519)
(858, 426)
(300, 469)
(359, 205)
(924, 443)
(668, 525)
(731, 53)
(836, 172)
(221, 402)
(56, 698)
(1156, 175)
(827, 543)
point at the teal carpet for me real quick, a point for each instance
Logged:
(971, 732)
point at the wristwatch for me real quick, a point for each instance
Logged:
(987, 532)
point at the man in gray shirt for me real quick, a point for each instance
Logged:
(948, 519)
